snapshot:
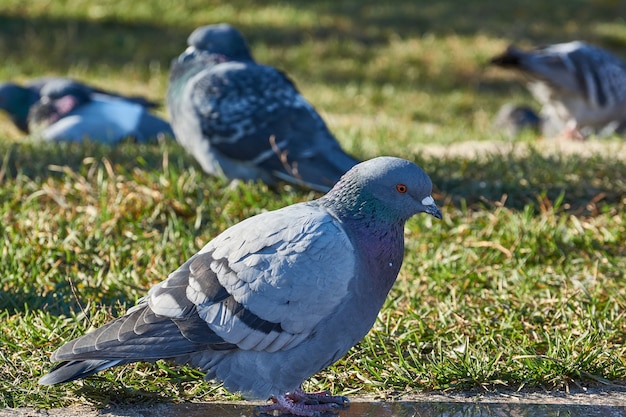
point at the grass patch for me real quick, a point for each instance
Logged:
(495, 295)
(520, 286)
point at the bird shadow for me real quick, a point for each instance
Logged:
(57, 44)
(535, 181)
(112, 395)
(37, 159)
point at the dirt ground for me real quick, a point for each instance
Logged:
(607, 396)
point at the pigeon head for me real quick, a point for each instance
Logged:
(389, 188)
(222, 39)
(58, 98)
(47, 111)
(55, 89)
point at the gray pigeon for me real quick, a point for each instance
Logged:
(244, 120)
(276, 298)
(16, 100)
(582, 88)
(67, 111)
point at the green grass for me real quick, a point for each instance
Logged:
(520, 286)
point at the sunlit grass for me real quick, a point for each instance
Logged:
(508, 294)
(519, 286)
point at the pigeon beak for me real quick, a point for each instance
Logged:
(189, 52)
(430, 207)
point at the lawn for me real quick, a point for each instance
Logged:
(520, 286)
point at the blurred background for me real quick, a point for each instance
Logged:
(398, 73)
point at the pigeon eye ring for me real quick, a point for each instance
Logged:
(401, 188)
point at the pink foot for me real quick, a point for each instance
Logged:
(571, 132)
(300, 403)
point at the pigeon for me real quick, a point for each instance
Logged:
(582, 88)
(244, 120)
(275, 298)
(16, 100)
(514, 119)
(67, 111)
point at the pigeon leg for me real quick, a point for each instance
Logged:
(321, 397)
(300, 403)
(571, 132)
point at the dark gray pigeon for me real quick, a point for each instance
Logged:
(275, 298)
(67, 111)
(582, 88)
(16, 100)
(244, 120)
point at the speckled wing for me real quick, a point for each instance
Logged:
(263, 284)
(267, 282)
(172, 329)
(244, 106)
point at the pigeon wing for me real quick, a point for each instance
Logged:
(267, 282)
(144, 334)
(242, 105)
(601, 75)
(254, 113)
(263, 284)
(573, 68)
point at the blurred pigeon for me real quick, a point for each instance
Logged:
(244, 120)
(581, 87)
(16, 100)
(513, 119)
(276, 298)
(67, 111)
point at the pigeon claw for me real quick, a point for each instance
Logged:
(300, 403)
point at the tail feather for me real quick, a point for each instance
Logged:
(510, 58)
(319, 173)
(141, 335)
(72, 370)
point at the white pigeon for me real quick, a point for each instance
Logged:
(582, 88)
(276, 298)
(16, 100)
(70, 111)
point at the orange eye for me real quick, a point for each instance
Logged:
(401, 188)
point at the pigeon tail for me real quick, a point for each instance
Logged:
(73, 370)
(510, 58)
(319, 173)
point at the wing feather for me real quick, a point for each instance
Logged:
(284, 271)
(264, 284)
